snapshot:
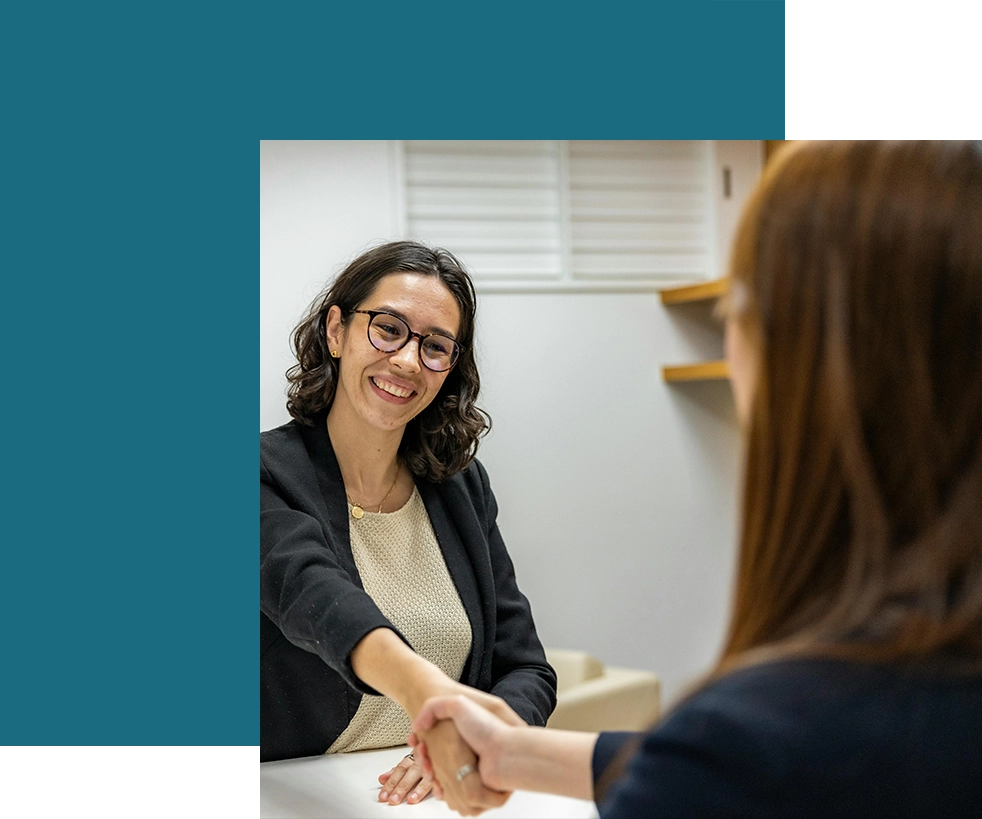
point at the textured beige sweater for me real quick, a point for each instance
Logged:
(403, 571)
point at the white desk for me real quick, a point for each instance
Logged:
(345, 786)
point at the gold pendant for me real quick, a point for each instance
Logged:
(357, 512)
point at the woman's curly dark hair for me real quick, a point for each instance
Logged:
(442, 440)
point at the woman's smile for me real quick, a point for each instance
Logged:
(388, 390)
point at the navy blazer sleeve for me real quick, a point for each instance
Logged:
(812, 738)
(700, 763)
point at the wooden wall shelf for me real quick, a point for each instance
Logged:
(704, 371)
(695, 292)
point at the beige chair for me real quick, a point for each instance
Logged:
(594, 697)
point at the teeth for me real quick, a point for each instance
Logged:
(392, 389)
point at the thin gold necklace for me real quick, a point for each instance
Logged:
(357, 509)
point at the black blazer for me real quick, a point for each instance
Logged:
(314, 610)
(810, 739)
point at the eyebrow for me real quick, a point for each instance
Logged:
(385, 308)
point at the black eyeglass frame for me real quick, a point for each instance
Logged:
(457, 346)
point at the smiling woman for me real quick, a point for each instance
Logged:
(383, 359)
(370, 606)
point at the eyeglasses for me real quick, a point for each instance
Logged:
(389, 333)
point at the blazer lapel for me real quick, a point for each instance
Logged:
(460, 564)
(332, 500)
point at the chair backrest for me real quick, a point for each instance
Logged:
(573, 667)
(593, 696)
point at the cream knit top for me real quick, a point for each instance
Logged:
(403, 571)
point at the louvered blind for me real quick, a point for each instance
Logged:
(565, 215)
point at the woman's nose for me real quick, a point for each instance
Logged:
(408, 357)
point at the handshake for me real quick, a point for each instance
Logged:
(460, 741)
(477, 750)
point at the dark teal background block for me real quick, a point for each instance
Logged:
(130, 299)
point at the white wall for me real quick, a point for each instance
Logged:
(616, 491)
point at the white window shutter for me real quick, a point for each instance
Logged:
(639, 210)
(495, 204)
(578, 215)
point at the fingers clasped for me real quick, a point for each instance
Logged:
(453, 764)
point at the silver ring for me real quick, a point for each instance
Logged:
(410, 756)
(465, 770)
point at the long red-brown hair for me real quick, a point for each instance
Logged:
(856, 274)
(856, 277)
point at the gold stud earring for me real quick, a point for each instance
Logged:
(335, 354)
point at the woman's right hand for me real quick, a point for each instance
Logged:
(448, 751)
(453, 769)
(481, 728)
(383, 661)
